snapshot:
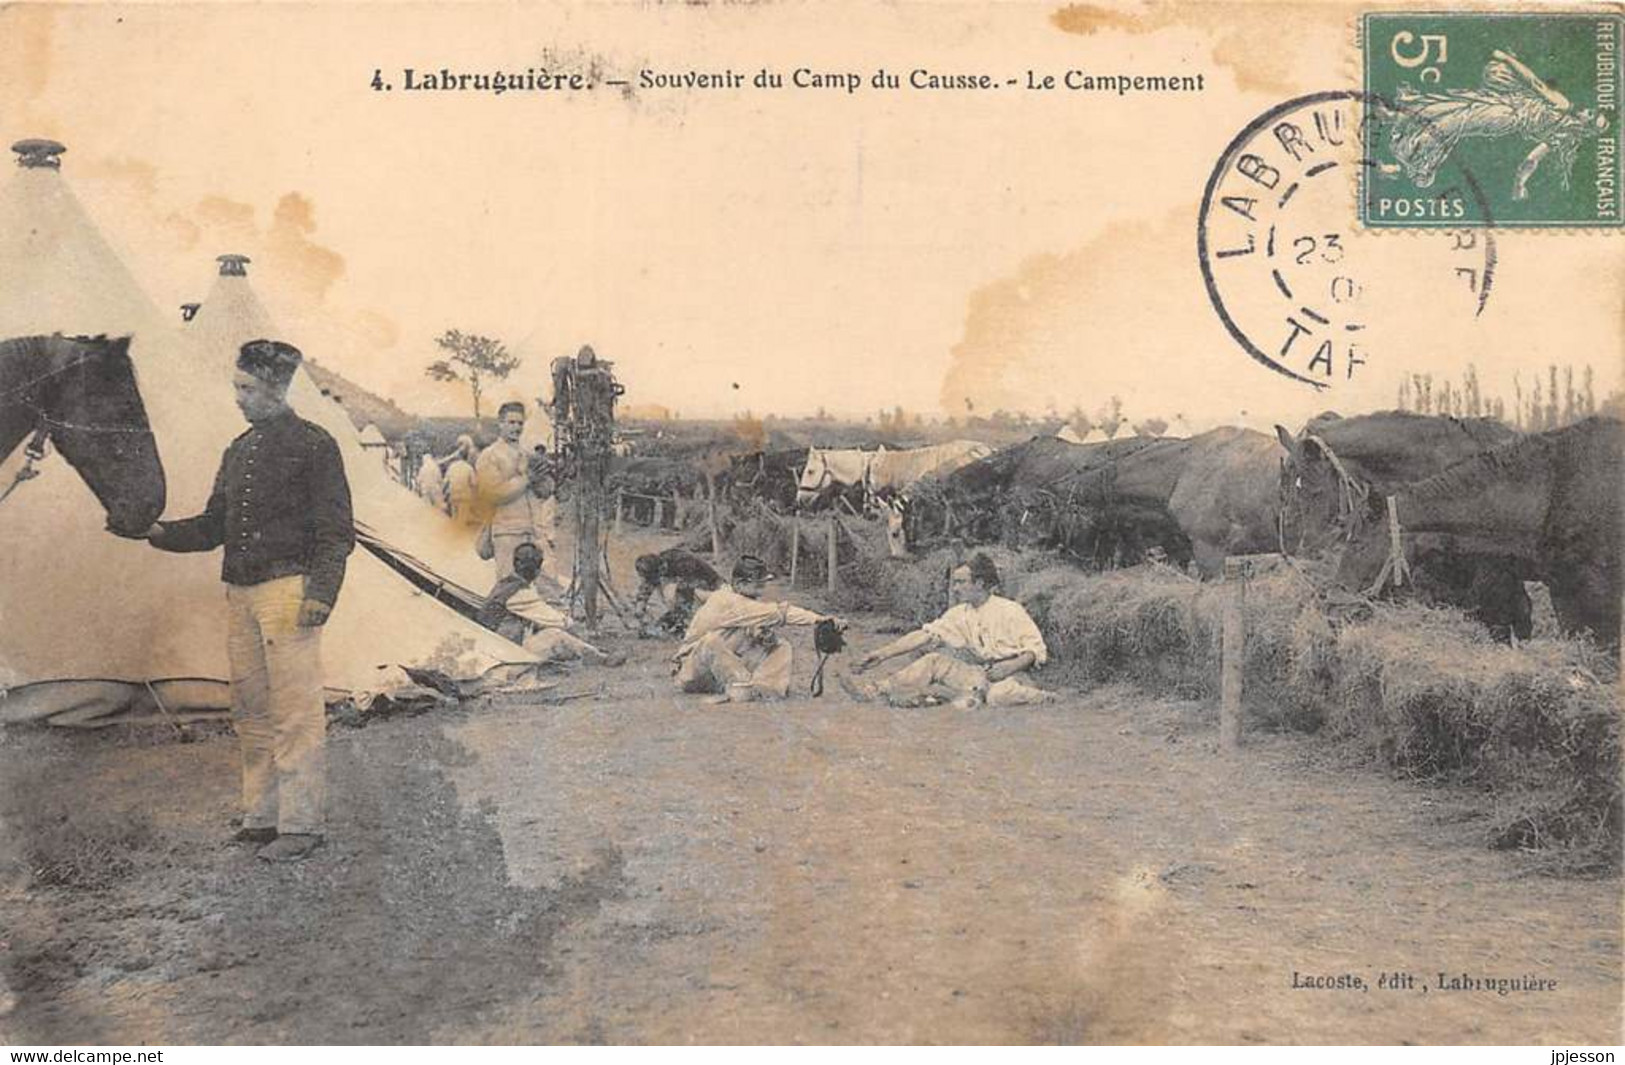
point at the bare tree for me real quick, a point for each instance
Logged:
(1571, 413)
(1590, 396)
(1551, 400)
(474, 359)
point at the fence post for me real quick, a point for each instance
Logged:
(1233, 652)
(716, 531)
(834, 527)
(619, 504)
(795, 545)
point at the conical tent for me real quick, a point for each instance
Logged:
(232, 315)
(1069, 434)
(372, 436)
(79, 605)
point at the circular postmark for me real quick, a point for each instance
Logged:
(1296, 284)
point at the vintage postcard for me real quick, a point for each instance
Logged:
(780, 523)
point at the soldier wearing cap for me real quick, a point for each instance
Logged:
(732, 647)
(281, 509)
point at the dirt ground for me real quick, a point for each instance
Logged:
(640, 868)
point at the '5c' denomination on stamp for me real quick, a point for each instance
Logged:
(1527, 102)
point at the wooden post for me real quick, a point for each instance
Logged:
(1233, 653)
(660, 512)
(620, 506)
(795, 545)
(834, 527)
(590, 483)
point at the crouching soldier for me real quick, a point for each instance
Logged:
(690, 573)
(516, 611)
(733, 648)
(979, 652)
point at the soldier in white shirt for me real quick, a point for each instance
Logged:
(733, 648)
(979, 652)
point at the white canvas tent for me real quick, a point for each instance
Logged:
(372, 436)
(1097, 435)
(1069, 435)
(91, 623)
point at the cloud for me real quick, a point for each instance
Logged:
(1124, 314)
(298, 260)
(28, 34)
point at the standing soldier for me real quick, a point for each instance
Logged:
(502, 479)
(460, 482)
(281, 508)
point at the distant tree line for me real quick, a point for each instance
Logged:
(1551, 400)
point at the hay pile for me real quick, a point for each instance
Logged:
(1536, 725)
(1422, 689)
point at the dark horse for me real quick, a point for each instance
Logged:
(1340, 469)
(1547, 505)
(80, 394)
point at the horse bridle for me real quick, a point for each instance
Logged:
(1351, 498)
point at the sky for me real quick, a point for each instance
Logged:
(778, 251)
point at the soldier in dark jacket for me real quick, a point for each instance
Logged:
(281, 508)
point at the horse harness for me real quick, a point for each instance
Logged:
(32, 454)
(1395, 568)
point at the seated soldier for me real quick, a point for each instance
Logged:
(979, 651)
(732, 647)
(688, 572)
(516, 611)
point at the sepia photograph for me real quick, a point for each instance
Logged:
(778, 523)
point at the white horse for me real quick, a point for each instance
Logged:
(825, 468)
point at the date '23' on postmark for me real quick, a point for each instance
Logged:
(1527, 104)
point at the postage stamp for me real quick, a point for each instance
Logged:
(1529, 103)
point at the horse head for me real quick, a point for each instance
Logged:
(1320, 501)
(815, 477)
(82, 392)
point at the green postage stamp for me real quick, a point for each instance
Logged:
(1492, 119)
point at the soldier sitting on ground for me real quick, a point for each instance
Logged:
(688, 571)
(516, 611)
(733, 647)
(979, 652)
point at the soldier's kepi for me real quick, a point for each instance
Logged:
(280, 507)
